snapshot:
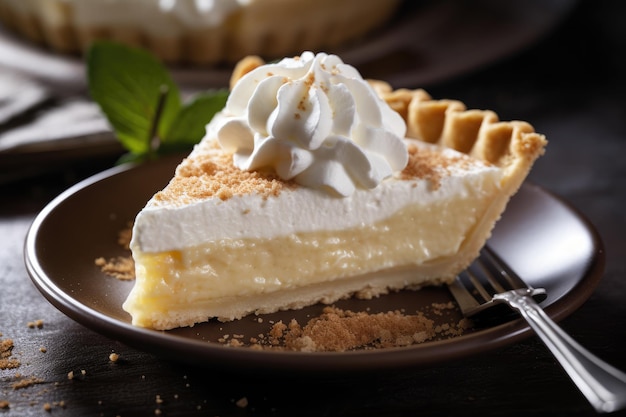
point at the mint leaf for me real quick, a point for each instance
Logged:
(127, 82)
(142, 103)
(189, 126)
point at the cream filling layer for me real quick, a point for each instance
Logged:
(193, 284)
(165, 225)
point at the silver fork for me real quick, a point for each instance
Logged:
(490, 282)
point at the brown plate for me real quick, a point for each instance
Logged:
(541, 236)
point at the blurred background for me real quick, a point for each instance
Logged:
(557, 64)
(47, 117)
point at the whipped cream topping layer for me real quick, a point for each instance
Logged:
(312, 119)
(172, 225)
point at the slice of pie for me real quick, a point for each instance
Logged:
(314, 185)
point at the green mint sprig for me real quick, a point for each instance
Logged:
(143, 104)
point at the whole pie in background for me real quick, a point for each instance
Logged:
(197, 31)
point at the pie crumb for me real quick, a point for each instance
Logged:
(6, 350)
(124, 236)
(37, 323)
(337, 330)
(120, 267)
(242, 402)
(25, 382)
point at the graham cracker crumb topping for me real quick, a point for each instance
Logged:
(431, 165)
(214, 175)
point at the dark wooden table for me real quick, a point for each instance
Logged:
(571, 86)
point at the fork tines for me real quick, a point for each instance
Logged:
(475, 287)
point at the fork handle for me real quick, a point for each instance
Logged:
(603, 385)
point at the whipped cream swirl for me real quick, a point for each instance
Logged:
(314, 120)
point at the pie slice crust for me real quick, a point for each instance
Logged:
(512, 146)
